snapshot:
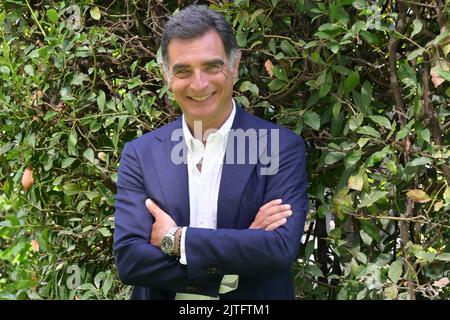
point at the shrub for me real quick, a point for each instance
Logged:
(364, 82)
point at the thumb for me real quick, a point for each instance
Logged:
(151, 207)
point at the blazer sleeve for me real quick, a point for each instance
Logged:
(138, 262)
(256, 252)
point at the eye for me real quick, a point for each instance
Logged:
(213, 67)
(182, 73)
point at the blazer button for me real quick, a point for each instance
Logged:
(191, 288)
(213, 271)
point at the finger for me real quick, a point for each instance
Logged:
(271, 203)
(276, 209)
(278, 216)
(275, 225)
(152, 207)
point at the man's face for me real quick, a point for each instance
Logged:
(202, 78)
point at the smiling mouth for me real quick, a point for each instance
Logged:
(201, 98)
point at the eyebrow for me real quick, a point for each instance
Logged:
(181, 66)
(218, 62)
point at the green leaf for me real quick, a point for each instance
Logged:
(368, 131)
(248, 86)
(351, 81)
(391, 292)
(370, 37)
(425, 256)
(365, 237)
(336, 109)
(95, 13)
(288, 48)
(105, 232)
(107, 284)
(425, 134)
(446, 195)
(333, 157)
(309, 249)
(360, 256)
(444, 74)
(421, 161)
(376, 157)
(395, 271)
(314, 270)
(371, 198)
(72, 141)
(383, 121)
(52, 15)
(417, 27)
(71, 189)
(89, 154)
(67, 162)
(312, 119)
(370, 229)
(98, 278)
(6, 147)
(415, 54)
(78, 79)
(333, 46)
(444, 257)
(129, 105)
(353, 157)
(401, 134)
(49, 115)
(276, 85)
(29, 70)
(101, 100)
(279, 73)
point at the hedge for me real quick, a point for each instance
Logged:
(364, 82)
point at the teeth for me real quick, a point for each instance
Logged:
(201, 98)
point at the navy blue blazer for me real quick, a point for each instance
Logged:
(262, 259)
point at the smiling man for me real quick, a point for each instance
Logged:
(207, 228)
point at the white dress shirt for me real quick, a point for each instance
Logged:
(204, 189)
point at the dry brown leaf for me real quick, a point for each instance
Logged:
(441, 282)
(269, 66)
(27, 178)
(35, 245)
(440, 64)
(438, 205)
(356, 182)
(418, 195)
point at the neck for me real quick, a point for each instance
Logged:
(201, 129)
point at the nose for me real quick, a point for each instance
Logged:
(199, 81)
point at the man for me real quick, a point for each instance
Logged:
(197, 217)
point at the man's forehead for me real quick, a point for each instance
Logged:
(209, 42)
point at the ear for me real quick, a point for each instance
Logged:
(236, 64)
(165, 75)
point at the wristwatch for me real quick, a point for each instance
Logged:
(167, 243)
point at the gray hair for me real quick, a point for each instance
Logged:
(194, 21)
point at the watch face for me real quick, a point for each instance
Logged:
(167, 245)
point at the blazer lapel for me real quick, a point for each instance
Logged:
(234, 178)
(172, 176)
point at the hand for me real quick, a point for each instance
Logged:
(271, 215)
(163, 222)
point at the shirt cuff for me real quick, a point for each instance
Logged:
(183, 259)
(229, 283)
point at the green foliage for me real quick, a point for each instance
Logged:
(364, 82)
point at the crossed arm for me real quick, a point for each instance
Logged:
(270, 216)
(270, 247)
